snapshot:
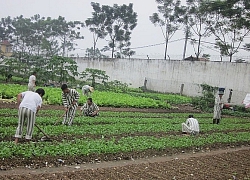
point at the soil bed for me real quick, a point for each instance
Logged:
(221, 164)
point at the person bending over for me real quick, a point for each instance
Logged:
(87, 90)
(191, 126)
(32, 82)
(70, 98)
(29, 104)
(90, 108)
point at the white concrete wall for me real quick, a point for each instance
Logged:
(167, 76)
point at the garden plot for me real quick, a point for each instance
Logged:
(114, 136)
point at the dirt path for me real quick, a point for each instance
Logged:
(177, 109)
(232, 163)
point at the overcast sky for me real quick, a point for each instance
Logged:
(143, 35)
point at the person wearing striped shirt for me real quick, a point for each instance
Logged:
(191, 126)
(90, 108)
(70, 98)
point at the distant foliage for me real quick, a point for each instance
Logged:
(206, 101)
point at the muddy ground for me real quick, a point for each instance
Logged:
(220, 164)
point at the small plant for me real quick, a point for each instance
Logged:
(206, 101)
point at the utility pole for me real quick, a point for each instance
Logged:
(186, 37)
(185, 44)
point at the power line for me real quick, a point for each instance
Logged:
(152, 45)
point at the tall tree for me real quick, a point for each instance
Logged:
(168, 18)
(66, 32)
(6, 28)
(117, 22)
(96, 26)
(229, 23)
(196, 21)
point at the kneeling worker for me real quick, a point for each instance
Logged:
(90, 108)
(191, 126)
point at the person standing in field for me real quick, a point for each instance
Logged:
(90, 108)
(70, 99)
(32, 82)
(29, 104)
(87, 90)
(191, 126)
(218, 105)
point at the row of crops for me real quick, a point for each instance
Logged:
(115, 132)
(103, 98)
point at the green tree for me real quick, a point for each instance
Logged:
(94, 53)
(62, 69)
(168, 18)
(196, 19)
(207, 56)
(117, 22)
(6, 28)
(66, 33)
(229, 23)
(92, 75)
(96, 26)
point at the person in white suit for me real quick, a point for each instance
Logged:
(191, 126)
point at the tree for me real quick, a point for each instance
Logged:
(127, 52)
(6, 28)
(228, 23)
(93, 75)
(91, 53)
(95, 25)
(40, 36)
(66, 32)
(117, 22)
(207, 56)
(62, 69)
(196, 19)
(167, 18)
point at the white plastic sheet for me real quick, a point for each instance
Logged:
(246, 101)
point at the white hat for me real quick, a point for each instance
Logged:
(91, 89)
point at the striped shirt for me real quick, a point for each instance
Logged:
(68, 98)
(90, 108)
(193, 124)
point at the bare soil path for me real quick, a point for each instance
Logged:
(231, 163)
(178, 109)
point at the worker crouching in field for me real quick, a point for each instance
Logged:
(218, 106)
(90, 108)
(70, 98)
(32, 82)
(29, 104)
(191, 126)
(87, 90)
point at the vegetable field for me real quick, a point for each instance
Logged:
(103, 98)
(113, 136)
